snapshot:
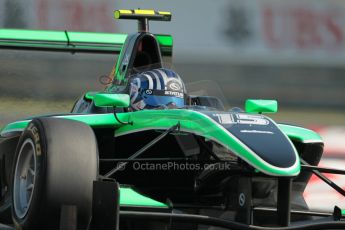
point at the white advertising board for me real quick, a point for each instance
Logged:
(269, 31)
(229, 31)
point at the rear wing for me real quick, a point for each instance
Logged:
(74, 42)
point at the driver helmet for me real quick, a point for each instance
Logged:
(156, 89)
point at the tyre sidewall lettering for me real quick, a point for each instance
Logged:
(32, 132)
(36, 138)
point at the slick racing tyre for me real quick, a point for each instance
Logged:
(55, 164)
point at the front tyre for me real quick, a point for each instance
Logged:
(55, 163)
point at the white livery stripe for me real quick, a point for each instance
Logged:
(165, 77)
(149, 78)
(159, 86)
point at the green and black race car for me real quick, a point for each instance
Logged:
(145, 154)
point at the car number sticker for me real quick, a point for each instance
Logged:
(246, 119)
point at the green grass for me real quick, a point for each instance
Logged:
(310, 116)
(12, 109)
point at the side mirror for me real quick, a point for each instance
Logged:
(110, 99)
(261, 106)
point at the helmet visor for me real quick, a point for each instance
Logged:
(157, 98)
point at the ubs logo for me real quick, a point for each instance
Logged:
(174, 86)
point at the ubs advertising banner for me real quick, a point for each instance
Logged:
(79, 15)
(303, 31)
(293, 31)
(229, 31)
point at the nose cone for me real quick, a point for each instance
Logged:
(255, 139)
(261, 141)
(268, 142)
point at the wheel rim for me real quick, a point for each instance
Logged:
(24, 178)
